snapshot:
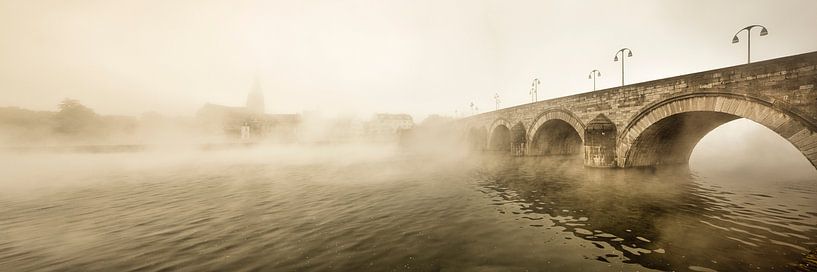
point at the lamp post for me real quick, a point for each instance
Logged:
(593, 74)
(496, 99)
(763, 32)
(534, 89)
(629, 54)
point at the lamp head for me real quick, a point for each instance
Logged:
(590, 76)
(598, 73)
(735, 39)
(629, 53)
(764, 32)
(616, 58)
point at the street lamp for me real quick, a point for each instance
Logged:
(629, 54)
(496, 99)
(763, 32)
(534, 89)
(593, 74)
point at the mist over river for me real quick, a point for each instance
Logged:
(377, 209)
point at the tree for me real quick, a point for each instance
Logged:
(75, 118)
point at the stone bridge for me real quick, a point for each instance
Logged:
(658, 122)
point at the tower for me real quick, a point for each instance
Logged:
(255, 100)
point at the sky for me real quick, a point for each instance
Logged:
(128, 57)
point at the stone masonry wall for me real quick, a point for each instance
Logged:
(787, 83)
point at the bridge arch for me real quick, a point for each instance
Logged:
(666, 132)
(560, 114)
(555, 132)
(499, 135)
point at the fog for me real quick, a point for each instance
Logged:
(421, 58)
(743, 148)
(322, 135)
(311, 200)
(740, 150)
(75, 144)
(145, 69)
(24, 171)
(66, 204)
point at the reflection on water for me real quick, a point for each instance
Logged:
(666, 219)
(396, 213)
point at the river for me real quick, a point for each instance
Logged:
(379, 210)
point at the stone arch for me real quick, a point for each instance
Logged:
(560, 114)
(555, 132)
(492, 129)
(666, 132)
(500, 139)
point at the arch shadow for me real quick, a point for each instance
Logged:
(555, 132)
(667, 132)
(499, 135)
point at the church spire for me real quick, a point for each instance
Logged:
(255, 100)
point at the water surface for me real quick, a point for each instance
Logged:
(383, 211)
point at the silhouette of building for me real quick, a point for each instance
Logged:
(249, 122)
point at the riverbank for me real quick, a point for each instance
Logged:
(122, 148)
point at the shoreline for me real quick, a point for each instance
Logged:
(119, 148)
(129, 148)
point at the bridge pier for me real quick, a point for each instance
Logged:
(600, 143)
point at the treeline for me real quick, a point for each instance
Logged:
(75, 124)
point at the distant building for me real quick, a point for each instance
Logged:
(250, 122)
(388, 127)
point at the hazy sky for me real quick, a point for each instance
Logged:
(359, 57)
